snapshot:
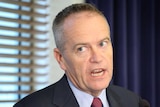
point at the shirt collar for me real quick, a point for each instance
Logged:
(84, 99)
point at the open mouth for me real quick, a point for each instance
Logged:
(97, 72)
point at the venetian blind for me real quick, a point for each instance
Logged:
(23, 48)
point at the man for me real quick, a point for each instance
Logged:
(84, 52)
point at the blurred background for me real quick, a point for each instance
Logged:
(27, 63)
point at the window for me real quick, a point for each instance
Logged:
(23, 48)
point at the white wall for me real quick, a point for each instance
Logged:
(55, 72)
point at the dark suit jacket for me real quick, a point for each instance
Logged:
(61, 95)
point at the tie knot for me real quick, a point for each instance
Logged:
(96, 103)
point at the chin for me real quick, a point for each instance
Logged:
(101, 87)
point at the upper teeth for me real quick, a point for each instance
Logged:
(97, 70)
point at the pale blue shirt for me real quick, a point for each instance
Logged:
(84, 99)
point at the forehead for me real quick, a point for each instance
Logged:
(85, 21)
(82, 17)
(85, 27)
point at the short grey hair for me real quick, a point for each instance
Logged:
(62, 15)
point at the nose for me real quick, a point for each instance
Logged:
(96, 56)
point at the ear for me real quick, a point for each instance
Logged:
(59, 58)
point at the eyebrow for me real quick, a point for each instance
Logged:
(106, 38)
(82, 44)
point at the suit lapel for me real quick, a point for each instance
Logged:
(63, 96)
(113, 99)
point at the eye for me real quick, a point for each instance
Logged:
(81, 49)
(103, 43)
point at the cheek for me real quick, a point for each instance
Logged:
(77, 72)
(110, 57)
(110, 64)
(72, 64)
(75, 65)
(79, 68)
(66, 62)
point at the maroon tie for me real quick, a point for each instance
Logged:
(96, 103)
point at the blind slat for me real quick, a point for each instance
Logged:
(23, 48)
(28, 4)
(20, 21)
(21, 12)
(5, 101)
(33, 40)
(19, 92)
(23, 74)
(23, 56)
(31, 66)
(23, 83)
(30, 31)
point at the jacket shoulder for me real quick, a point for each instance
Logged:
(123, 96)
(36, 98)
(54, 95)
(120, 91)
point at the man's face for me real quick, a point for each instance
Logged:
(87, 59)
